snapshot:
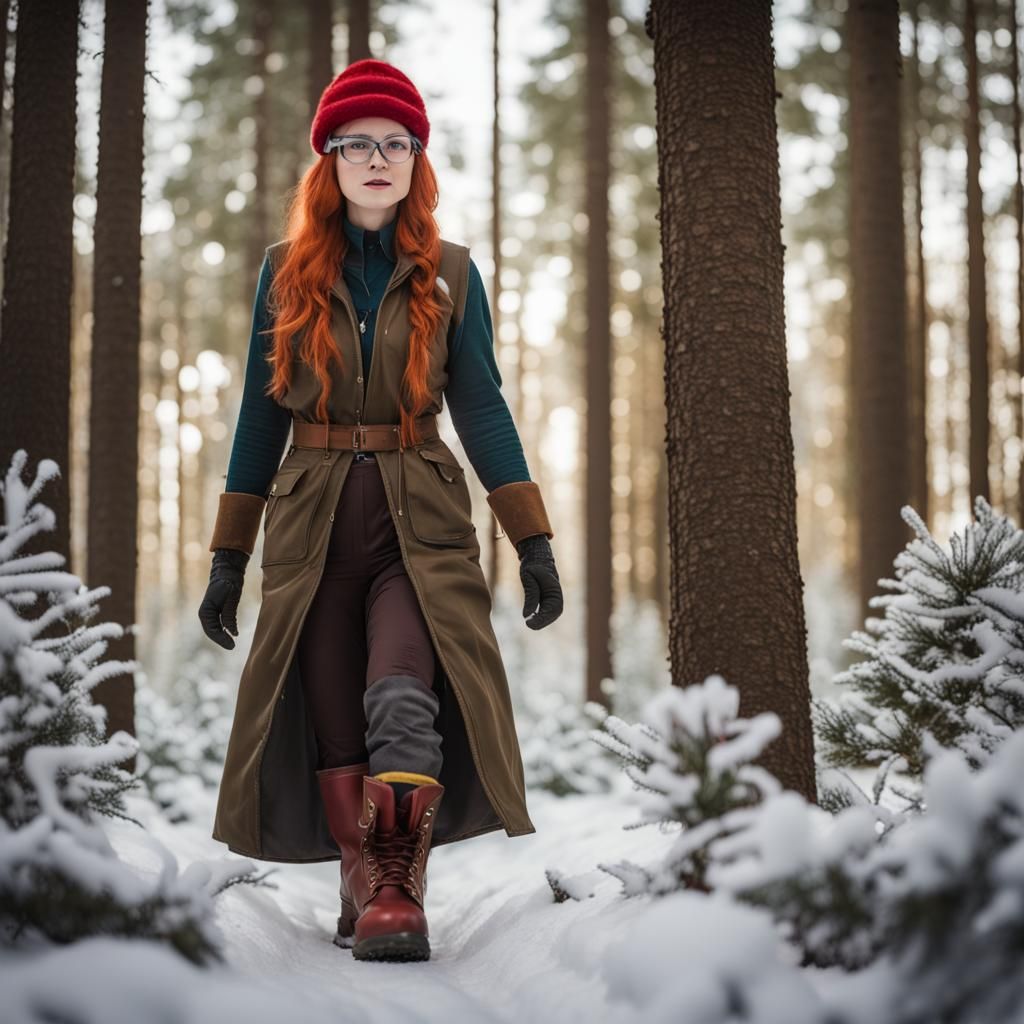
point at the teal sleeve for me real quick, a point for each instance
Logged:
(479, 412)
(263, 425)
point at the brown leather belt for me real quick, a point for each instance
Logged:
(357, 436)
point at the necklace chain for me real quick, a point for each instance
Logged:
(362, 323)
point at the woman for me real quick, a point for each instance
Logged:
(374, 685)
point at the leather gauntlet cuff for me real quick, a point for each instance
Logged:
(238, 521)
(519, 509)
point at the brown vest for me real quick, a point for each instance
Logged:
(354, 399)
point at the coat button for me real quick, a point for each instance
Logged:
(360, 379)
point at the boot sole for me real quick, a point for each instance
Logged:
(402, 946)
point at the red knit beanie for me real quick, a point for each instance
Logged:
(369, 88)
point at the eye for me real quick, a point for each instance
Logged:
(356, 145)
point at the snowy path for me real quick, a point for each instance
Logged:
(501, 948)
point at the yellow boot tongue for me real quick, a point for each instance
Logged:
(402, 785)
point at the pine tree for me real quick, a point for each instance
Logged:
(947, 659)
(940, 891)
(60, 878)
(183, 737)
(913, 896)
(558, 754)
(691, 758)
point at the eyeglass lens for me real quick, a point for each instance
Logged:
(396, 149)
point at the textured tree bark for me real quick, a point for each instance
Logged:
(977, 315)
(35, 340)
(5, 6)
(736, 605)
(917, 354)
(261, 233)
(321, 53)
(358, 30)
(598, 488)
(878, 315)
(114, 396)
(1018, 213)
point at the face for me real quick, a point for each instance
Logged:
(371, 207)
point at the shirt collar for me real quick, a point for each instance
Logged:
(360, 238)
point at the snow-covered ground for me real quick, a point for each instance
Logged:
(914, 897)
(501, 947)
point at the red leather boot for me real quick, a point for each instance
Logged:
(384, 852)
(341, 790)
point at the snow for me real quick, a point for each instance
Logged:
(583, 921)
(719, 960)
(499, 942)
(502, 948)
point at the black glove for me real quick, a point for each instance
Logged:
(220, 605)
(540, 581)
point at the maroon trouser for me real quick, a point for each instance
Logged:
(365, 655)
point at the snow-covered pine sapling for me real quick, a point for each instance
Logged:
(948, 892)
(690, 756)
(947, 659)
(934, 908)
(558, 755)
(45, 682)
(60, 878)
(183, 735)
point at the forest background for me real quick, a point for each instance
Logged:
(229, 95)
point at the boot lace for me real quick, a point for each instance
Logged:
(395, 851)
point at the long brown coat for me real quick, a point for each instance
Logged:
(269, 804)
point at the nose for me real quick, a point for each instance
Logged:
(377, 158)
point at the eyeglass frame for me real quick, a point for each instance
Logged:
(336, 141)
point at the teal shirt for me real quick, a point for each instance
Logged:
(473, 395)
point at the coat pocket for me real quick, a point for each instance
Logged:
(292, 501)
(437, 497)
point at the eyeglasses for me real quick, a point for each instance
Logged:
(357, 149)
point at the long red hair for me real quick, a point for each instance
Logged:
(300, 292)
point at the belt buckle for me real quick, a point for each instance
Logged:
(358, 438)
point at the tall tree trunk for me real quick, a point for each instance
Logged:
(637, 501)
(358, 30)
(494, 562)
(259, 217)
(321, 53)
(1018, 210)
(5, 7)
(737, 606)
(917, 356)
(977, 316)
(955, 447)
(4, 153)
(598, 488)
(112, 534)
(999, 367)
(662, 558)
(878, 313)
(35, 331)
